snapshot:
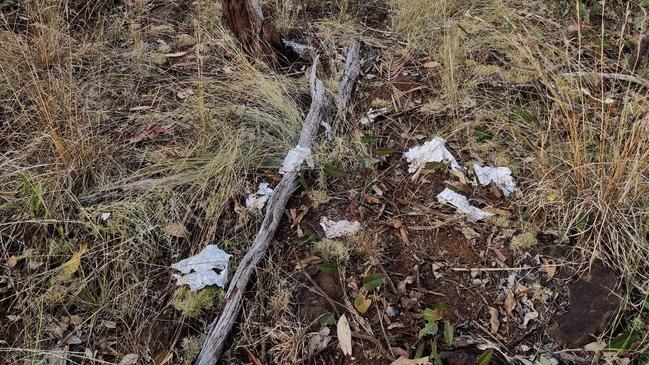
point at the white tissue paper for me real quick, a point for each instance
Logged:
(198, 270)
(461, 203)
(501, 176)
(294, 159)
(341, 228)
(431, 151)
(258, 200)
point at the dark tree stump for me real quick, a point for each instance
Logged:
(253, 26)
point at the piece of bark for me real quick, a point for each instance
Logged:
(347, 82)
(222, 326)
(252, 25)
(349, 77)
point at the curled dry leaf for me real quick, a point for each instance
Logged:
(129, 359)
(344, 334)
(402, 360)
(177, 230)
(548, 268)
(494, 321)
(510, 303)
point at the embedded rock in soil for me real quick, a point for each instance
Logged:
(593, 302)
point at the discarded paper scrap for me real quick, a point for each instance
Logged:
(258, 200)
(294, 159)
(431, 151)
(501, 176)
(461, 203)
(341, 228)
(198, 270)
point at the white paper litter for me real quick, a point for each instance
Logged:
(431, 151)
(461, 203)
(105, 216)
(372, 114)
(501, 176)
(198, 270)
(341, 228)
(258, 200)
(294, 159)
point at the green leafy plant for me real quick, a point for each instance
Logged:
(485, 358)
(482, 134)
(334, 171)
(34, 190)
(373, 281)
(327, 319)
(328, 268)
(432, 316)
(448, 333)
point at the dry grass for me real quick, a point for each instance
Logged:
(579, 145)
(68, 88)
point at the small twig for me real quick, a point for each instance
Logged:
(520, 268)
(385, 335)
(610, 76)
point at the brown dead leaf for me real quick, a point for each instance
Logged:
(402, 360)
(431, 64)
(548, 268)
(372, 199)
(12, 261)
(510, 303)
(177, 230)
(149, 132)
(499, 254)
(494, 321)
(460, 176)
(403, 283)
(298, 215)
(352, 208)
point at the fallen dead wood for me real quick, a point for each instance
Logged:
(253, 26)
(610, 76)
(347, 81)
(221, 327)
(350, 75)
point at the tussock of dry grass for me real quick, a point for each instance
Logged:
(66, 95)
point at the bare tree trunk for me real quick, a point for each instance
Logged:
(252, 25)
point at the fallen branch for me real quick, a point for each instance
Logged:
(349, 77)
(221, 327)
(610, 76)
(347, 81)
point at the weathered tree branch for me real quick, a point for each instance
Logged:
(221, 327)
(350, 75)
(609, 76)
